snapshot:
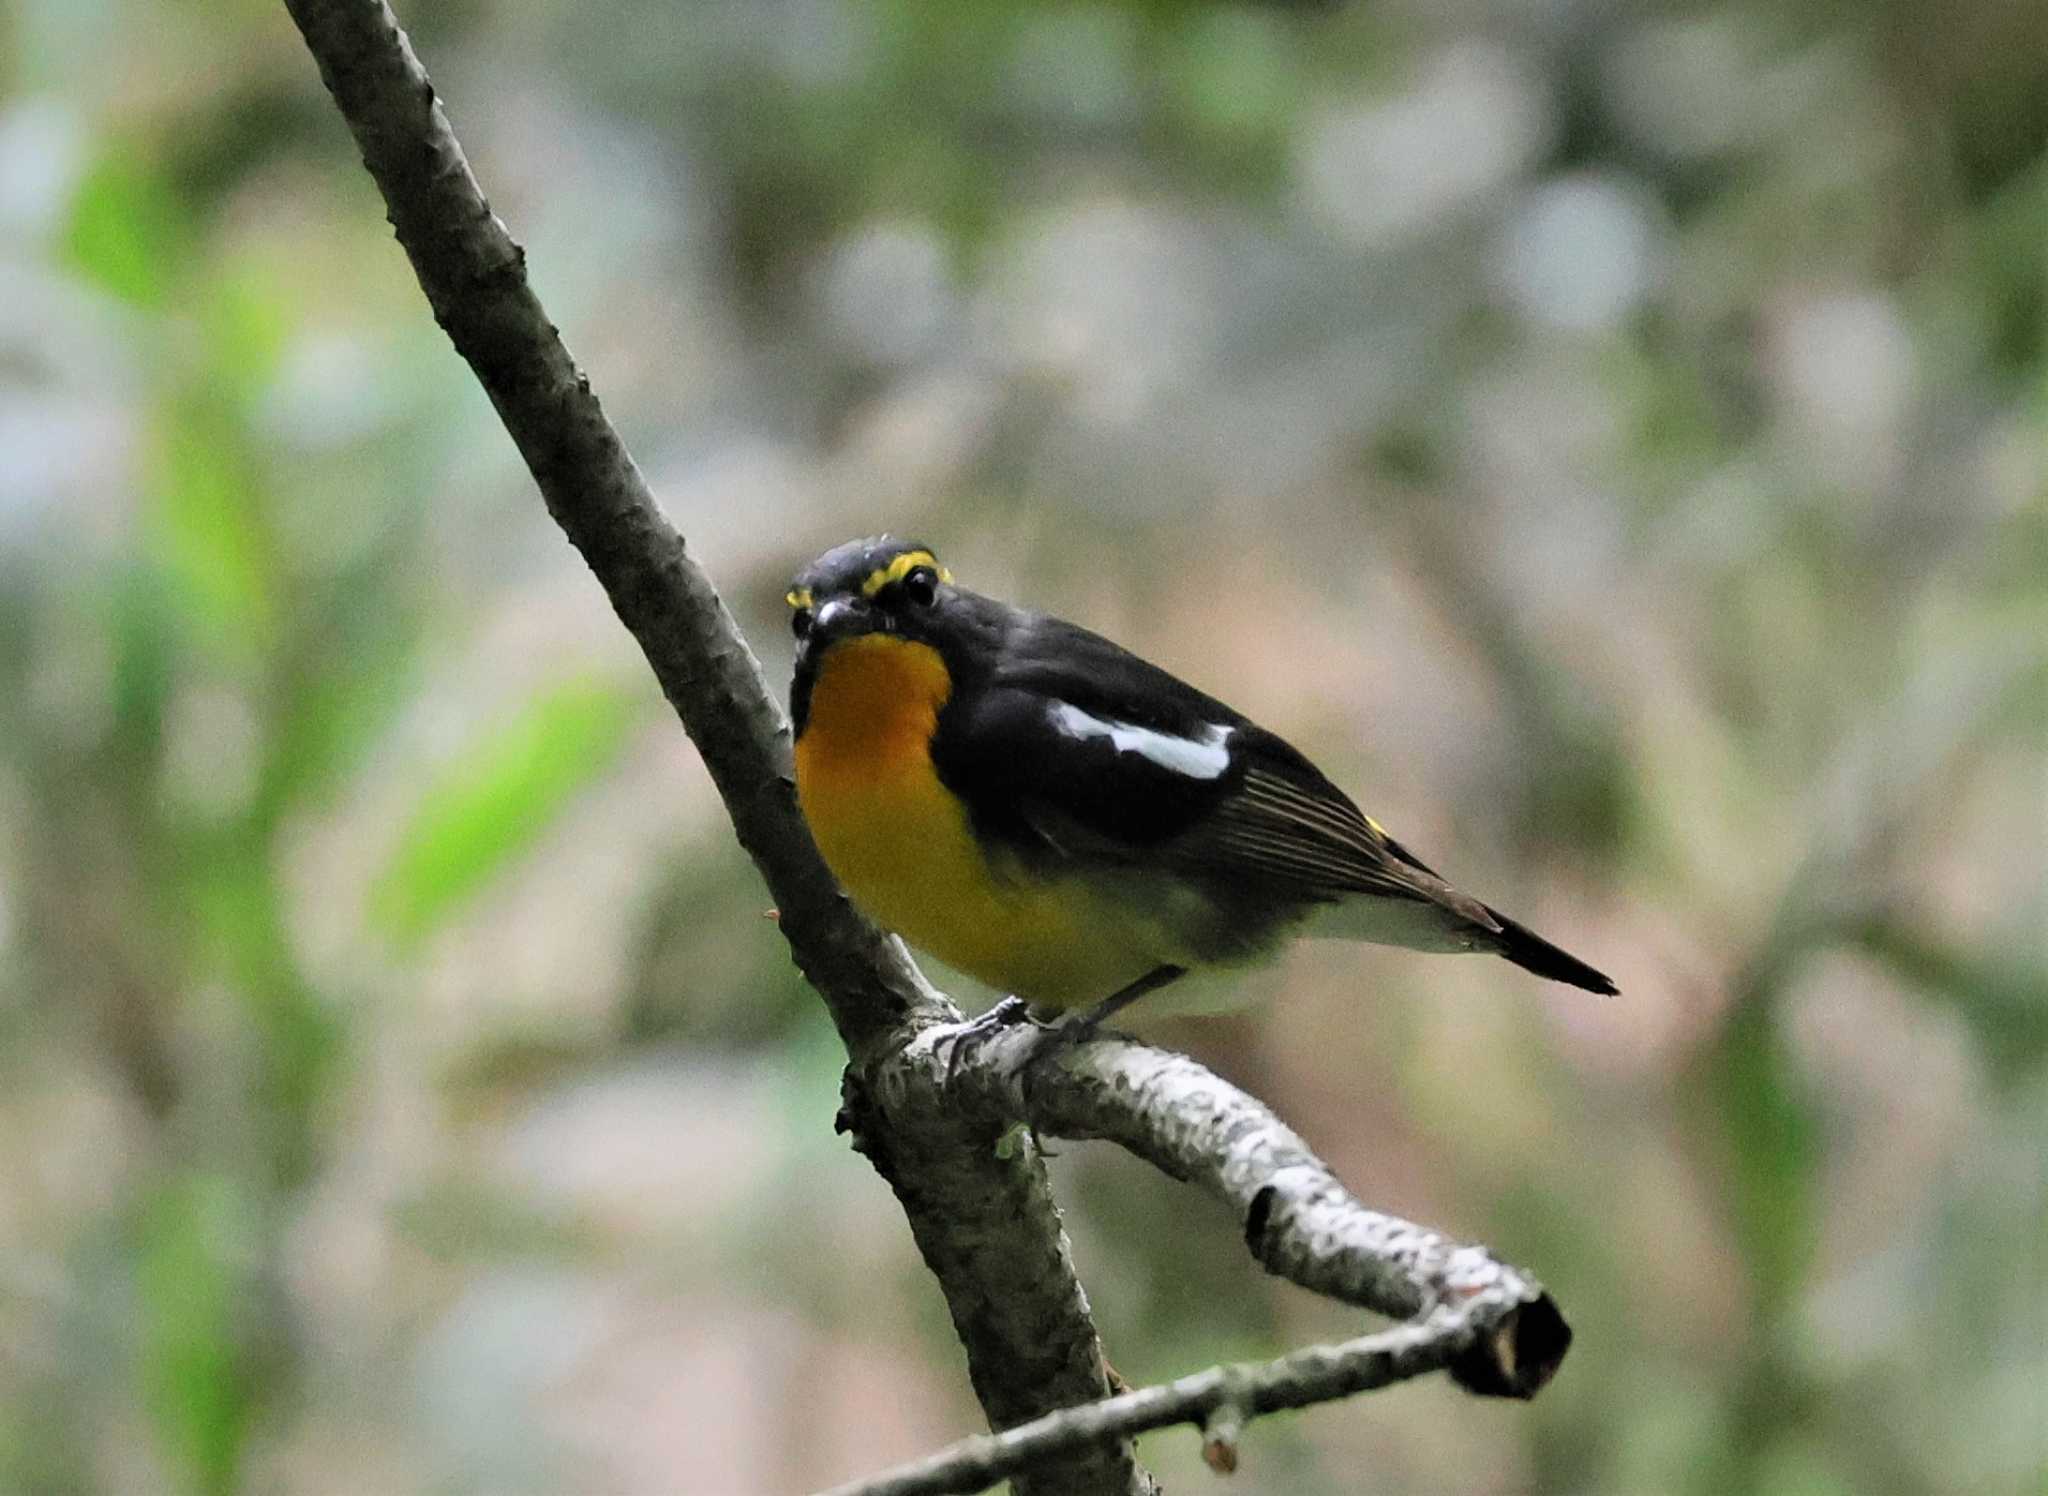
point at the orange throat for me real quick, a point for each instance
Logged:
(864, 773)
(874, 706)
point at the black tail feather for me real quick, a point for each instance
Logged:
(1531, 952)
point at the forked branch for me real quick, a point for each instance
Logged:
(1488, 1324)
(982, 1215)
(1298, 1220)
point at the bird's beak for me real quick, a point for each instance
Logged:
(836, 615)
(838, 618)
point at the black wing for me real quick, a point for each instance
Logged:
(1043, 792)
(1256, 816)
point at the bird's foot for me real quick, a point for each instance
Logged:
(964, 1038)
(1079, 1028)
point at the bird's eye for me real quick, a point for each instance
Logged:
(800, 622)
(921, 586)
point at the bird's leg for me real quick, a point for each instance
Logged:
(1086, 1025)
(1012, 1009)
(1082, 1027)
(964, 1037)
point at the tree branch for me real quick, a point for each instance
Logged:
(1491, 1326)
(1298, 1220)
(1220, 1400)
(987, 1226)
(983, 1217)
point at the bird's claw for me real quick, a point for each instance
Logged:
(964, 1038)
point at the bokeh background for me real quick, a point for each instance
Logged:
(1611, 437)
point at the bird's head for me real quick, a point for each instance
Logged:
(881, 585)
(877, 586)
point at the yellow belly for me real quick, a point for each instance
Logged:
(901, 844)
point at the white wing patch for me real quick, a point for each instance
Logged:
(1201, 757)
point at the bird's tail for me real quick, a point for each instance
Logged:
(1531, 952)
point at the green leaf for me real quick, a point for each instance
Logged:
(209, 525)
(346, 674)
(497, 800)
(195, 1383)
(1233, 75)
(246, 324)
(1750, 1085)
(144, 670)
(127, 231)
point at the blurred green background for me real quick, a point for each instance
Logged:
(1611, 438)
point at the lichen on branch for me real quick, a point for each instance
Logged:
(983, 1217)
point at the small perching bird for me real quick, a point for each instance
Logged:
(1067, 822)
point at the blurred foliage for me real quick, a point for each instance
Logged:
(496, 800)
(1612, 439)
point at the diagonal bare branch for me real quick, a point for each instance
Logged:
(982, 1216)
(986, 1225)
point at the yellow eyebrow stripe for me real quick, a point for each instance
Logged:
(901, 567)
(798, 597)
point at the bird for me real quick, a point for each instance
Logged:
(1069, 823)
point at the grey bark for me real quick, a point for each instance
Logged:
(1220, 1401)
(986, 1225)
(982, 1215)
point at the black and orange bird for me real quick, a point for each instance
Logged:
(1067, 822)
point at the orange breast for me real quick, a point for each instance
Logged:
(901, 842)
